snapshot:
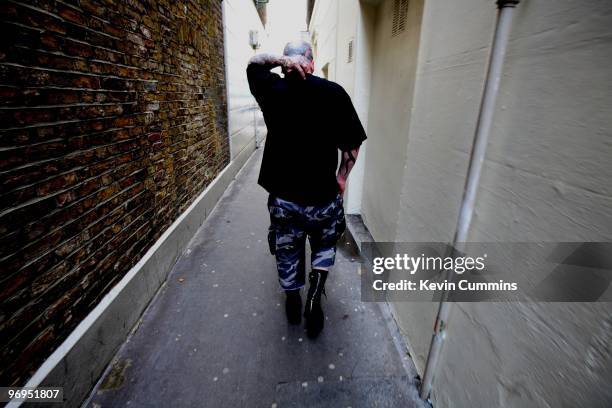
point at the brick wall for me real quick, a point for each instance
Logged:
(113, 119)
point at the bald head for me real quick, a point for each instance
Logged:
(298, 48)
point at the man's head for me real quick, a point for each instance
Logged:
(300, 50)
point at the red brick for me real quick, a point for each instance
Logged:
(96, 164)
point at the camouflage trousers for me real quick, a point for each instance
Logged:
(291, 224)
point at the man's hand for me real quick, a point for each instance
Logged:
(289, 64)
(296, 63)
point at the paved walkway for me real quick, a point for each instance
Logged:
(216, 334)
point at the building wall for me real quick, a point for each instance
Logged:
(364, 19)
(546, 178)
(332, 27)
(323, 29)
(240, 17)
(451, 67)
(113, 119)
(390, 112)
(346, 30)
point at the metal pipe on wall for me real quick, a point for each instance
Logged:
(481, 138)
(254, 43)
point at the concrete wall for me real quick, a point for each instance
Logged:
(546, 178)
(333, 25)
(323, 30)
(390, 111)
(240, 16)
(346, 30)
(448, 85)
(363, 47)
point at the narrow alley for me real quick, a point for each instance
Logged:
(135, 269)
(216, 335)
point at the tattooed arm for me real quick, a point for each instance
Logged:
(261, 79)
(295, 62)
(346, 165)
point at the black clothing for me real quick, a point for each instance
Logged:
(308, 121)
(293, 306)
(313, 312)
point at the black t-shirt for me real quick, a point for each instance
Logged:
(308, 121)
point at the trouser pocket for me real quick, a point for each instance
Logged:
(279, 217)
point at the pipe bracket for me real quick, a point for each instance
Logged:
(507, 3)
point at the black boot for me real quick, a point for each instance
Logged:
(313, 311)
(293, 306)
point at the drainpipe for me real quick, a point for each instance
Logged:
(481, 138)
(254, 43)
(257, 141)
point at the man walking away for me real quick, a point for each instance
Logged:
(309, 119)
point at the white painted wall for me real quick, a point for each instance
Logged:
(323, 32)
(240, 17)
(390, 110)
(546, 178)
(363, 64)
(450, 70)
(333, 25)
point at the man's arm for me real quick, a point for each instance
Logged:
(296, 62)
(261, 79)
(350, 134)
(346, 165)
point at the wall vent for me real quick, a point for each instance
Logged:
(400, 14)
(349, 57)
